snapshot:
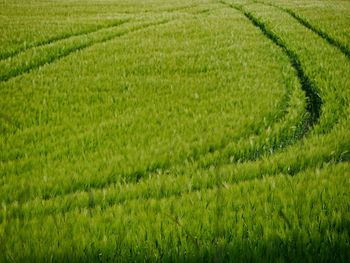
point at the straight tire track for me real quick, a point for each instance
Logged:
(64, 36)
(304, 22)
(59, 38)
(26, 68)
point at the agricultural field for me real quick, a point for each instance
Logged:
(174, 131)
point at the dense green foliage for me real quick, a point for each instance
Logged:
(160, 130)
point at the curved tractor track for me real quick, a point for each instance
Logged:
(209, 202)
(217, 155)
(220, 160)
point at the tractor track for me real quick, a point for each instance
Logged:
(28, 66)
(304, 22)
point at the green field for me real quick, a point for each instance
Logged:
(181, 131)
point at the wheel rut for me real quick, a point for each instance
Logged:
(313, 110)
(314, 101)
(105, 198)
(314, 104)
(55, 39)
(26, 67)
(321, 33)
(98, 28)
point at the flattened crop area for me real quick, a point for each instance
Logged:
(159, 130)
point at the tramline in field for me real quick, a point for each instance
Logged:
(174, 130)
